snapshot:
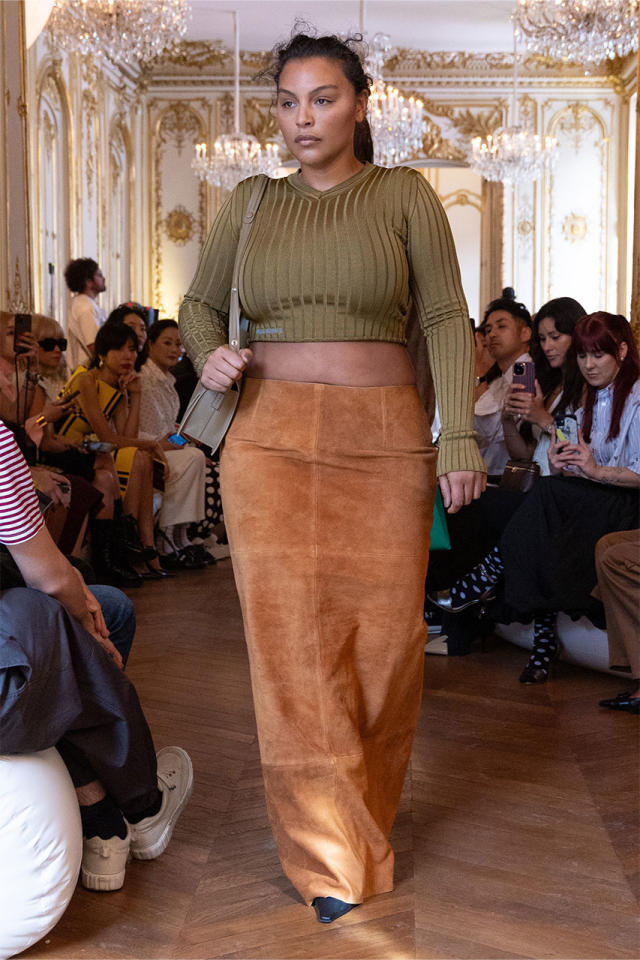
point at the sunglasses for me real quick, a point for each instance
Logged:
(50, 343)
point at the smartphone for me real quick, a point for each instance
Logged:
(177, 440)
(22, 325)
(524, 372)
(567, 430)
(66, 397)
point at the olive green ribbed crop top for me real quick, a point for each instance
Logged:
(344, 264)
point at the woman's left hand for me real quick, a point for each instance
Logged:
(461, 487)
(132, 382)
(579, 456)
(519, 403)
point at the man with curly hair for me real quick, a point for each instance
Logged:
(86, 280)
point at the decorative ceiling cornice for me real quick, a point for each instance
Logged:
(193, 58)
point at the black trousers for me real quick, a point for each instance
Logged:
(59, 688)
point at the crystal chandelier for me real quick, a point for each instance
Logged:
(397, 124)
(236, 155)
(124, 30)
(585, 31)
(512, 154)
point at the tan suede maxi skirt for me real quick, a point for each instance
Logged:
(328, 495)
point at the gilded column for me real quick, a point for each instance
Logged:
(15, 252)
(491, 245)
(635, 275)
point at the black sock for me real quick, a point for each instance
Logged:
(102, 819)
(149, 811)
(485, 574)
(545, 643)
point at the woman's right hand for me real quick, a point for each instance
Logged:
(223, 367)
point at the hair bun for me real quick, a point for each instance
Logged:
(508, 293)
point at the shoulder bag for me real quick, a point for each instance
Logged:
(209, 413)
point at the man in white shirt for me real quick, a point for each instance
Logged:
(507, 332)
(86, 280)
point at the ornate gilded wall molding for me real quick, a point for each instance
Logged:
(179, 225)
(178, 123)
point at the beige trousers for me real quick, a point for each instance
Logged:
(328, 498)
(618, 567)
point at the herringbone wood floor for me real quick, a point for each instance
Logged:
(517, 834)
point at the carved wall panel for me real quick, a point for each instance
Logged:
(52, 199)
(576, 228)
(179, 201)
(460, 191)
(119, 221)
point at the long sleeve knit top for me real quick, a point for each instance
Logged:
(344, 264)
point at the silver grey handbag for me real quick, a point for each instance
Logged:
(209, 413)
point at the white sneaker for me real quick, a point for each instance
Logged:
(104, 862)
(150, 837)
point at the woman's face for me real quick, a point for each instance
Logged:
(121, 361)
(555, 345)
(166, 350)
(317, 110)
(137, 324)
(600, 369)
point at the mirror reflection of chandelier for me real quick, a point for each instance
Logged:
(397, 124)
(236, 155)
(512, 154)
(584, 31)
(124, 30)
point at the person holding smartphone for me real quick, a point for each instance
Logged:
(507, 333)
(183, 499)
(546, 554)
(555, 384)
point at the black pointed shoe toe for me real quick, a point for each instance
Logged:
(628, 702)
(329, 909)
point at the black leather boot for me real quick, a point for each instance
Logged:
(109, 567)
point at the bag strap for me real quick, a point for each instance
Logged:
(247, 222)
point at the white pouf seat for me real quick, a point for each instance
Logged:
(40, 847)
(582, 643)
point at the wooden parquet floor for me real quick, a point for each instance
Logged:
(517, 834)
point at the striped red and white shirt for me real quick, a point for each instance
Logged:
(20, 516)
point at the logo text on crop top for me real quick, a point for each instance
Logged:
(268, 331)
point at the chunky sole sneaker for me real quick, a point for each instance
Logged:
(104, 862)
(151, 836)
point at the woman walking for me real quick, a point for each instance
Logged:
(328, 473)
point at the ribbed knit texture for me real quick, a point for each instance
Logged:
(344, 264)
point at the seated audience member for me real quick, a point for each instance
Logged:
(18, 378)
(108, 406)
(477, 528)
(184, 494)
(86, 280)
(485, 367)
(77, 698)
(546, 552)
(135, 316)
(69, 498)
(559, 384)
(618, 569)
(507, 331)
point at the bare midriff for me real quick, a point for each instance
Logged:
(350, 363)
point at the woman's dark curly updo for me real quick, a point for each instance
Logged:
(303, 46)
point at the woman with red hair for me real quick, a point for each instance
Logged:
(546, 554)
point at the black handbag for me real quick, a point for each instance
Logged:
(520, 475)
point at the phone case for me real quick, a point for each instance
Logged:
(528, 378)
